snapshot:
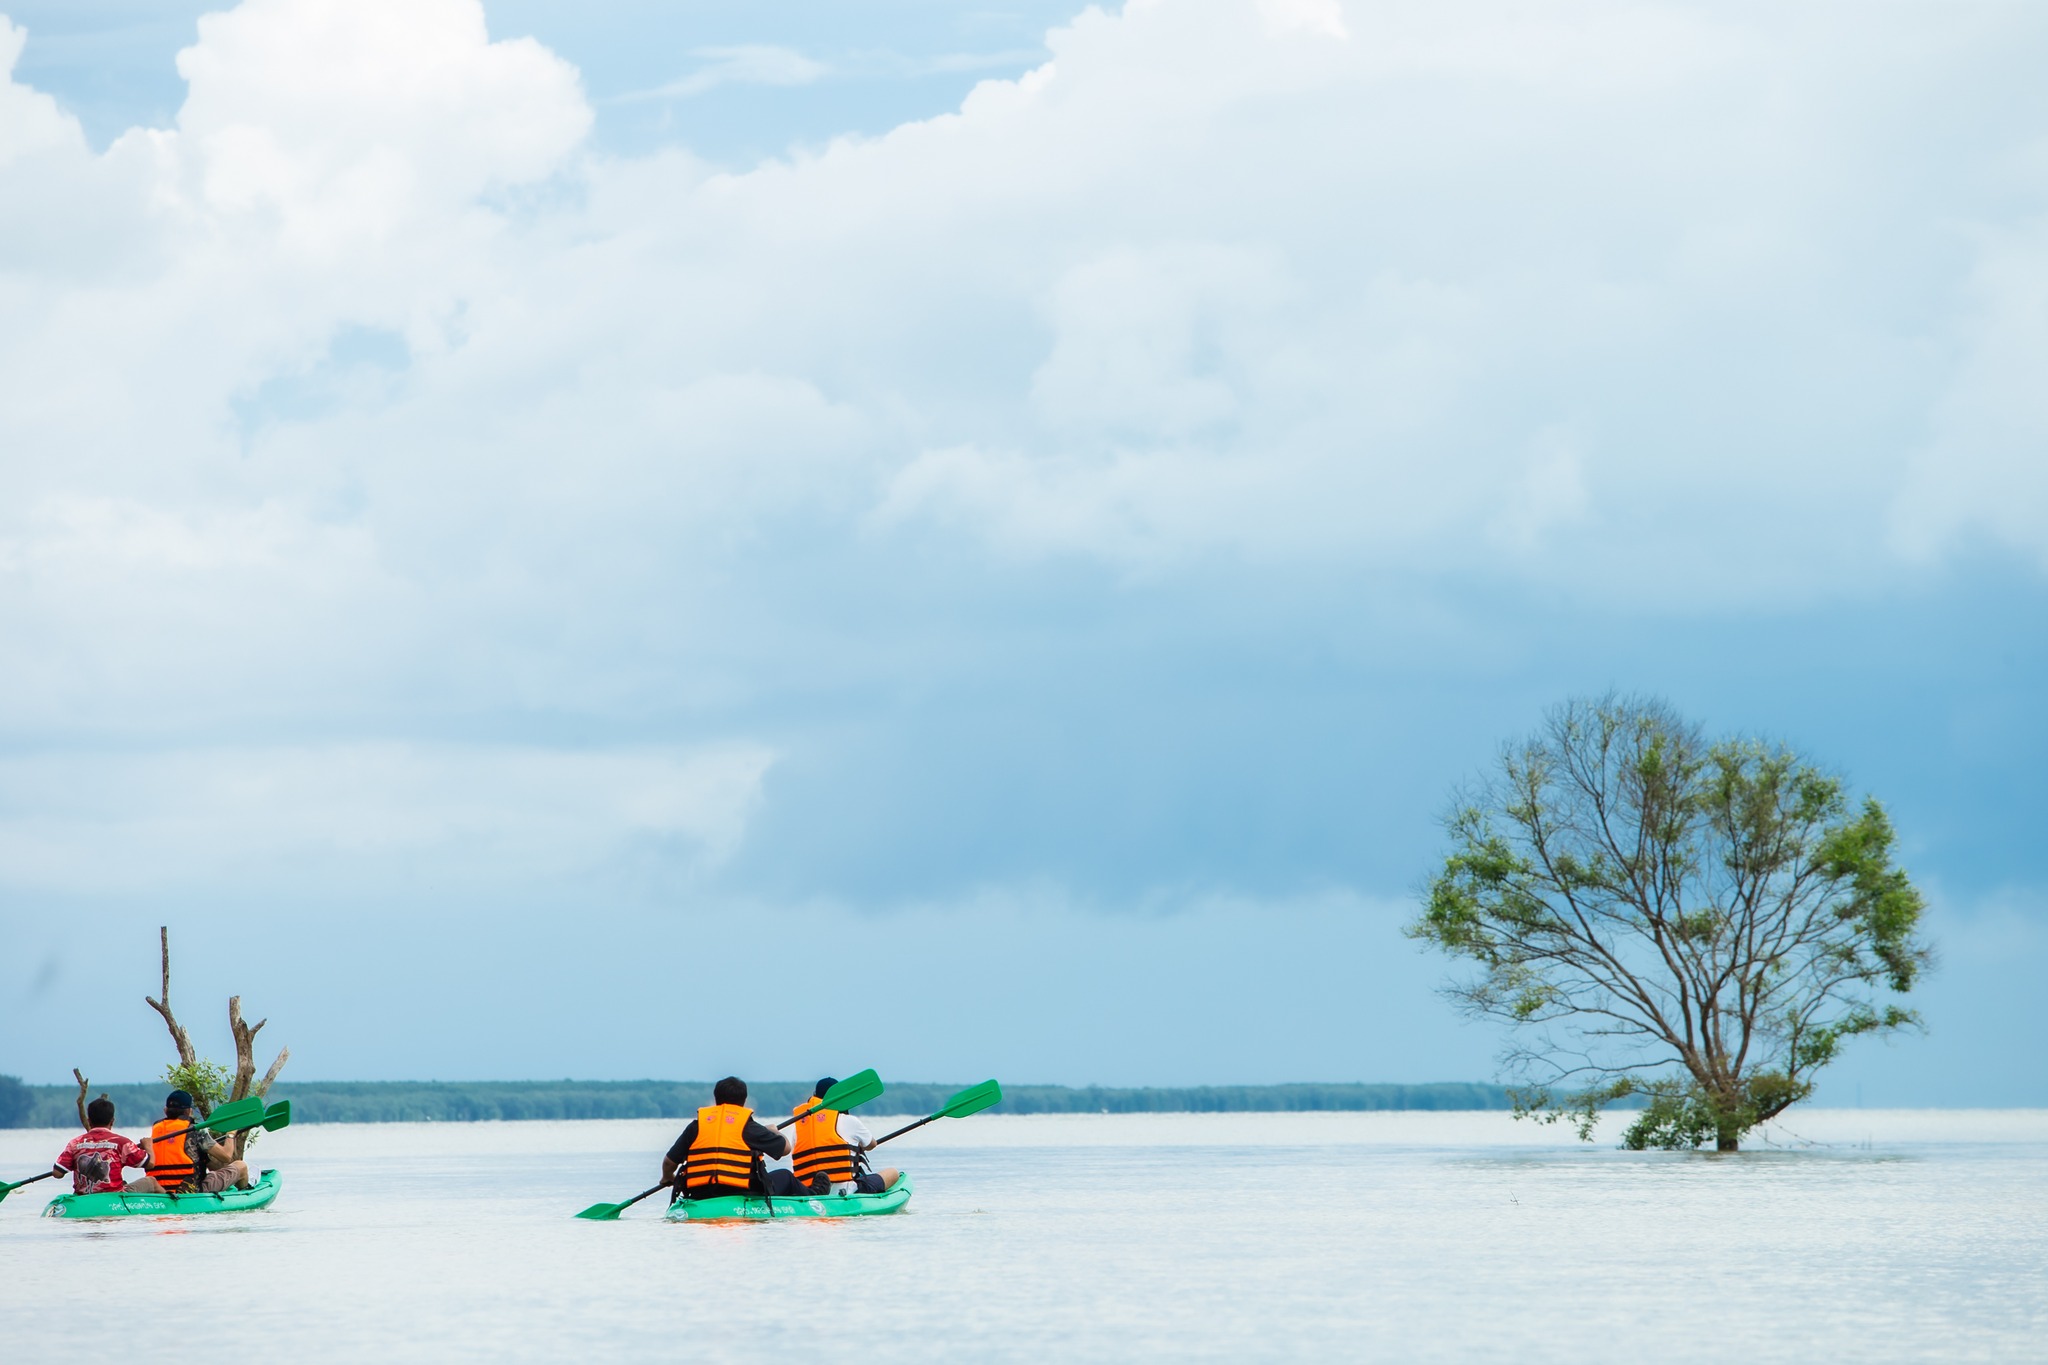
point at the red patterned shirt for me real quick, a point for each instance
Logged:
(95, 1160)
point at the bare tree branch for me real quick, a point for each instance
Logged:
(270, 1076)
(162, 1005)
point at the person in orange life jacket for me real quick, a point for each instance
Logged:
(95, 1157)
(186, 1159)
(828, 1145)
(719, 1151)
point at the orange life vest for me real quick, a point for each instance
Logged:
(170, 1165)
(820, 1151)
(720, 1155)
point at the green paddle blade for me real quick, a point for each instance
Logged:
(239, 1114)
(972, 1100)
(277, 1116)
(858, 1088)
(607, 1212)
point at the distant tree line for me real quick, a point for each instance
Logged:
(50, 1106)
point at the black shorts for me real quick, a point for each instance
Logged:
(715, 1192)
(868, 1182)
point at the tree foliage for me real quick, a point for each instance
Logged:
(1702, 925)
(207, 1082)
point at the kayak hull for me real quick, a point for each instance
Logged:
(122, 1204)
(755, 1208)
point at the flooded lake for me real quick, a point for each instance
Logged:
(1868, 1235)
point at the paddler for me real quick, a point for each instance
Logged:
(94, 1158)
(720, 1152)
(186, 1159)
(828, 1150)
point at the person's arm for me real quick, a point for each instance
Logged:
(207, 1150)
(134, 1154)
(854, 1133)
(765, 1140)
(678, 1154)
(65, 1159)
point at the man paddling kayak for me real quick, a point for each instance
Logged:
(829, 1145)
(186, 1159)
(95, 1157)
(720, 1152)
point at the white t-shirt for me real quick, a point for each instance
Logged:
(852, 1132)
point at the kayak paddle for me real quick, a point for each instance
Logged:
(243, 1115)
(246, 1113)
(6, 1189)
(972, 1100)
(858, 1088)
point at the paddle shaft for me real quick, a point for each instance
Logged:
(904, 1129)
(972, 1100)
(46, 1175)
(643, 1194)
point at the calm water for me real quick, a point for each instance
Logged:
(1869, 1235)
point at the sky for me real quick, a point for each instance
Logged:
(627, 539)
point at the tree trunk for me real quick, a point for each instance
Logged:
(1728, 1140)
(245, 1083)
(245, 1063)
(83, 1122)
(162, 1005)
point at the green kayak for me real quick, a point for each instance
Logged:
(119, 1204)
(793, 1206)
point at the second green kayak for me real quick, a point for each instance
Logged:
(122, 1204)
(792, 1206)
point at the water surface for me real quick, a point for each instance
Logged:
(1398, 1236)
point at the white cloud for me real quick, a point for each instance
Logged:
(743, 64)
(270, 817)
(344, 118)
(1641, 299)
(30, 122)
(1985, 468)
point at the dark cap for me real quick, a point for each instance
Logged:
(178, 1099)
(823, 1086)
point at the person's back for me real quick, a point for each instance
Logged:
(716, 1154)
(95, 1157)
(828, 1148)
(719, 1156)
(824, 1158)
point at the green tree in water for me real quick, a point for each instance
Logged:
(1702, 925)
(207, 1082)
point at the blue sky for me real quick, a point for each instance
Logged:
(524, 523)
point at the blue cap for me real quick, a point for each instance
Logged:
(178, 1099)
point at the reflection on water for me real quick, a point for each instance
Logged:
(1883, 1236)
